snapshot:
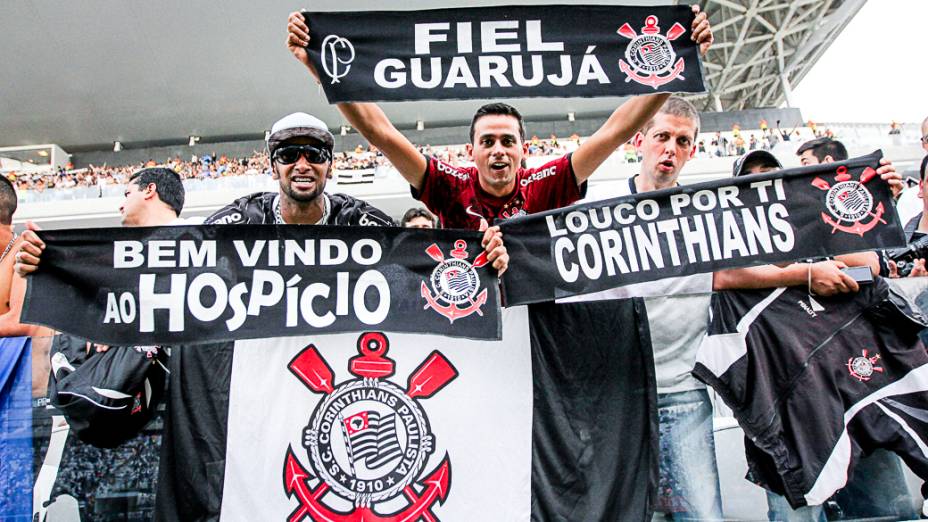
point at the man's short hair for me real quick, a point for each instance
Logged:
(417, 212)
(822, 147)
(924, 167)
(167, 184)
(679, 107)
(7, 201)
(502, 109)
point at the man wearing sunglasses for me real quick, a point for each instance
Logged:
(300, 150)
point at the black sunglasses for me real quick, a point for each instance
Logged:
(290, 154)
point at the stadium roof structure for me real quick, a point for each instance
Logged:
(86, 74)
(763, 48)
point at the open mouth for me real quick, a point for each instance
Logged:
(303, 182)
(498, 166)
(666, 165)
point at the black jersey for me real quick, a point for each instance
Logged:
(260, 208)
(817, 385)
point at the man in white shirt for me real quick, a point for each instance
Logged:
(689, 480)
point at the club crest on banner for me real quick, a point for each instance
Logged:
(650, 55)
(337, 55)
(862, 367)
(850, 203)
(455, 283)
(368, 440)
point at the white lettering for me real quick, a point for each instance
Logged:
(425, 34)
(534, 39)
(492, 32)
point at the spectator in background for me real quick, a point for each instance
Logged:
(917, 227)
(828, 150)
(924, 138)
(878, 482)
(784, 135)
(755, 162)
(418, 217)
(631, 152)
(739, 145)
(153, 197)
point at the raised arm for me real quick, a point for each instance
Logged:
(368, 118)
(619, 128)
(631, 115)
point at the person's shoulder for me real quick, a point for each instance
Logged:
(560, 164)
(246, 209)
(348, 210)
(192, 220)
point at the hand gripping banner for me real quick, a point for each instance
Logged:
(802, 213)
(196, 284)
(511, 51)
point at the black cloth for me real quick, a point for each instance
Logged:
(193, 448)
(107, 397)
(594, 424)
(810, 397)
(192, 464)
(258, 208)
(594, 429)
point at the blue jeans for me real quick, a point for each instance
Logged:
(877, 489)
(778, 509)
(689, 476)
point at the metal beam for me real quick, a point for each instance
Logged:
(782, 40)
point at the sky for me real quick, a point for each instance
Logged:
(888, 81)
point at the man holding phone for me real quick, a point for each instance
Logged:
(878, 482)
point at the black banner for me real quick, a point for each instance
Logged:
(195, 284)
(801, 213)
(506, 51)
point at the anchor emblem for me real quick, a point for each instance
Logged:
(850, 202)
(650, 55)
(455, 282)
(862, 368)
(368, 440)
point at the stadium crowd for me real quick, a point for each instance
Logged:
(660, 133)
(124, 476)
(731, 143)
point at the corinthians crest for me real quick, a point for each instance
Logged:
(861, 368)
(850, 203)
(368, 440)
(650, 55)
(455, 283)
